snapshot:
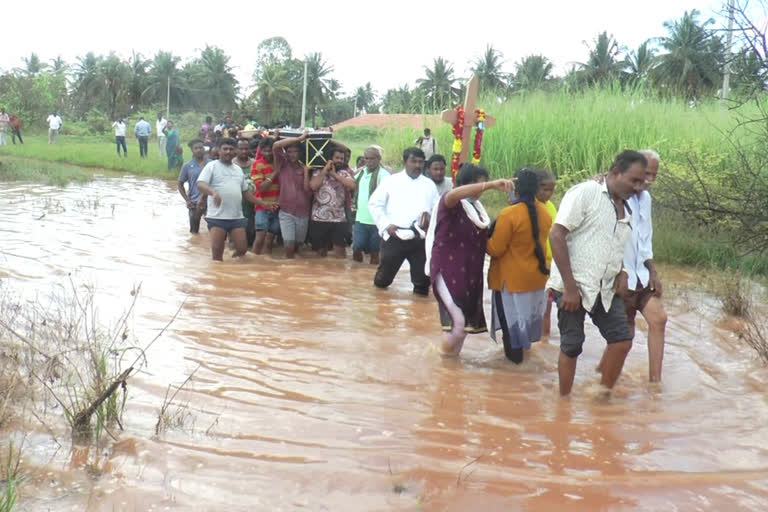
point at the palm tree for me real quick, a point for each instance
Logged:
(640, 62)
(532, 73)
(364, 97)
(694, 56)
(164, 71)
(749, 77)
(603, 65)
(211, 78)
(58, 66)
(318, 86)
(137, 81)
(488, 71)
(439, 85)
(87, 87)
(32, 64)
(397, 101)
(116, 76)
(273, 92)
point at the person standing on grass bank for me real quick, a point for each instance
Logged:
(329, 218)
(226, 187)
(518, 272)
(588, 239)
(455, 249)
(295, 195)
(547, 180)
(16, 124)
(365, 235)
(434, 169)
(173, 147)
(142, 131)
(427, 143)
(243, 161)
(644, 285)
(160, 126)
(119, 127)
(267, 189)
(401, 206)
(5, 120)
(54, 125)
(195, 201)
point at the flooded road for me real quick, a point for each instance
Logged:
(314, 391)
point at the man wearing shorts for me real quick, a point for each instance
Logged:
(644, 294)
(267, 189)
(329, 216)
(365, 234)
(588, 239)
(226, 188)
(295, 195)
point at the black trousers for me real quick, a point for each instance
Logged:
(120, 141)
(16, 133)
(143, 141)
(392, 254)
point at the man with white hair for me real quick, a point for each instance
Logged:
(644, 285)
(365, 235)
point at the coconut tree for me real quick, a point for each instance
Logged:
(273, 92)
(87, 87)
(58, 66)
(115, 74)
(603, 64)
(164, 73)
(693, 59)
(32, 64)
(137, 81)
(532, 73)
(318, 83)
(640, 63)
(212, 78)
(489, 72)
(439, 85)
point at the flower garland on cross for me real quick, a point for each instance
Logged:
(458, 131)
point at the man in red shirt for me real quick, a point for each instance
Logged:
(267, 190)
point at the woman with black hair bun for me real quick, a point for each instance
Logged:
(518, 272)
(455, 250)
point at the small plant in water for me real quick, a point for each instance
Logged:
(733, 291)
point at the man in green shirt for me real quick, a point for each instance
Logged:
(365, 235)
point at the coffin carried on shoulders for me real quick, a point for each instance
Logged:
(316, 150)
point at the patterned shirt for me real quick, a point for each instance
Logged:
(260, 170)
(596, 241)
(330, 199)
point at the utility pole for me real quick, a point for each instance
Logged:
(304, 98)
(728, 43)
(168, 99)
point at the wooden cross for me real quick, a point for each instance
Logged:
(470, 118)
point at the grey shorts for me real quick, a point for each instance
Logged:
(612, 324)
(294, 229)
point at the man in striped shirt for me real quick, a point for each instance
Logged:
(267, 190)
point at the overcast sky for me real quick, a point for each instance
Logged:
(387, 43)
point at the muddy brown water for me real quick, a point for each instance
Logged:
(316, 391)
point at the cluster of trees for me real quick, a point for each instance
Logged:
(689, 62)
(109, 86)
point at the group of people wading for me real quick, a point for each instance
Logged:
(592, 256)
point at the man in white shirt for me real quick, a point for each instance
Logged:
(119, 127)
(400, 207)
(427, 143)
(226, 187)
(54, 125)
(644, 285)
(588, 240)
(160, 125)
(5, 119)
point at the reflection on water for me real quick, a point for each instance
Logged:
(318, 392)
